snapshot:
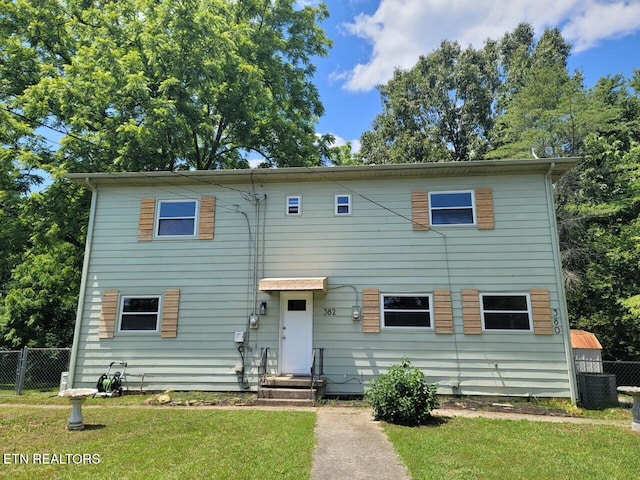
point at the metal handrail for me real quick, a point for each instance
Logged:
(264, 360)
(318, 354)
(313, 375)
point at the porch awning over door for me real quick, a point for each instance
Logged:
(293, 284)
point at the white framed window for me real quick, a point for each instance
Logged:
(343, 205)
(452, 208)
(294, 205)
(177, 218)
(139, 313)
(406, 310)
(506, 311)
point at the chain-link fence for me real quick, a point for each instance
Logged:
(598, 381)
(32, 369)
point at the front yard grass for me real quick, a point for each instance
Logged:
(156, 443)
(480, 448)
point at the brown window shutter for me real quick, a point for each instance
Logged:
(147, 219)
(108, 314)
(484, 209)
(370, 310)
(443, 313)
(420, 210)
(207, 217)
(471, 312)
(541, 311)
(170, 304)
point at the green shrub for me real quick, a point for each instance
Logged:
(402, 395)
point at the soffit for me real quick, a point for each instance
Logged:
(557, 167)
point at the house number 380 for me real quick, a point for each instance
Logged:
(556, 320)
(329, 312)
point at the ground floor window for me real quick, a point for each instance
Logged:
(406, 311)
(506, 311)
(139, 313)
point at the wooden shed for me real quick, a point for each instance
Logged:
(587, 352)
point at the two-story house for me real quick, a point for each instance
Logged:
(206, 280)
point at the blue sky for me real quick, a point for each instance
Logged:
(372, 37)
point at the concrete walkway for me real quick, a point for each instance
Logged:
(350, 444)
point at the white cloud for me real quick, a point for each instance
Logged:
(402, 30)
(355, 144)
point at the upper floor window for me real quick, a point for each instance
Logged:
(505, 311)
(407, 310)
(343, 205)
(294, 205)
(140, 313)
(451, 208)
(177, 218)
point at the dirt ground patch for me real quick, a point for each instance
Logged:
(503, 405)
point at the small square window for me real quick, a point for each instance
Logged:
(451, 208)
(506, 312)
(406, 311)
(176, 218)
(139, 314)
(343, 205)
(294, 205)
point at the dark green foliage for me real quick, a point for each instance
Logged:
(402, 395)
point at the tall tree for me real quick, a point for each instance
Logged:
(145, 85)
(440, 110)
(538, 98)
(599, 219)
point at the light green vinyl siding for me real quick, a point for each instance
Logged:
(374, 247)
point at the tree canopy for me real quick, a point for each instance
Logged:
(162, 85)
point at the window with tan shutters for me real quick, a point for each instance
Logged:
(452, 208)
(177, 218)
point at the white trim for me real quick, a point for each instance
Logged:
(348, 204)
(430, 311)
(83, 284)
(286, 207)
(196, 213)
(507, 294)
(138, 332)
(472, 206)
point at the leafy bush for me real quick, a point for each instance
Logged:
(402, 396)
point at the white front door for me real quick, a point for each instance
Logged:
(296, 328)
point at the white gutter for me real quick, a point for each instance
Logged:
(562, 298)
(83, 282)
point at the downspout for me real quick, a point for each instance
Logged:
(83, 281)
(564, 314)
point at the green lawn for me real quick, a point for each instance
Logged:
(157, 443)
(499, 449)
(132, 440)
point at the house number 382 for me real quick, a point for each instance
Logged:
(329, 312)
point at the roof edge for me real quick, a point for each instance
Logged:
(557, 167)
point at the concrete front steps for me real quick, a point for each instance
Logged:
(289, 390)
